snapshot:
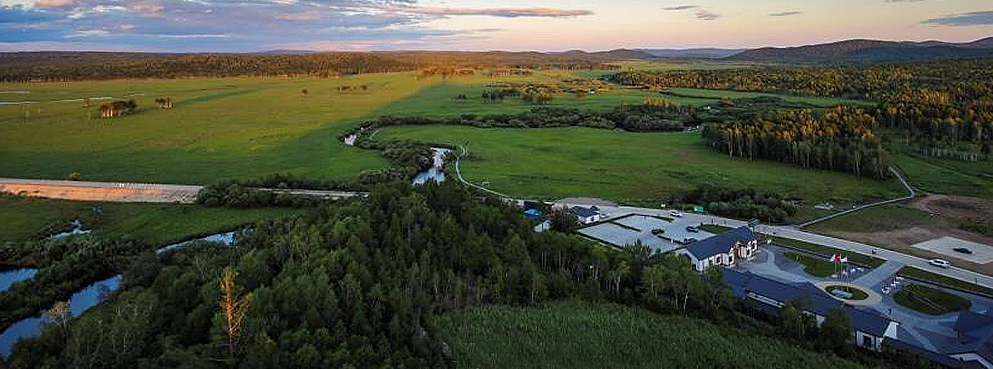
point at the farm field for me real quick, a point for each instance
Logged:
(157, 224)
(632, 168)
(599, 335)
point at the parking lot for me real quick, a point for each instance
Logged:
(978, 253)
(637, 227)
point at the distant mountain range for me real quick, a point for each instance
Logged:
(703, 53)
(868, 51)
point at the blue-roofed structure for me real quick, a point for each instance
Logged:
(975, 339)
(587, 215)
(723, 249)
(533, 213)
(870, 327)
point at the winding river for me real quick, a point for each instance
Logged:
(80, 301)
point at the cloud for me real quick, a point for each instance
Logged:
(785, 14)
(963, 19)
(239, 25)
(493, 12)
(55, 4)
(702, 14)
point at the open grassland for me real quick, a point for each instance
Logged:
(600, 335)
(158, 224)
(877, 219)
(635, 168)
(236, 127)
(946, 176)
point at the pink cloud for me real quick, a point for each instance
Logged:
(145, 7)
(307, 15)
(55, 4)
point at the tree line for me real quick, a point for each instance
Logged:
(356, 284)
(71, 66)
(740, 203)
(839, 139)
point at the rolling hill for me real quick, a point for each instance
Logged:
(868, 51)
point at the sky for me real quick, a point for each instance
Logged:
(515, 25)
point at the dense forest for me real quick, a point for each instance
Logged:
(770, 207)
(357, 284)
(839, 139)
(67, 66)
(940, 109)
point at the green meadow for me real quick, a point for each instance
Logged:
(635, 168)
(579, 334)
(158, 224)
(234, 127)
(250, 127)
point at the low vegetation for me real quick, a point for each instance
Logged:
(813, 266)
(916, 273)
(854, 257)
(769, 206)
(23, 219)
(929, 300)
(578, 334)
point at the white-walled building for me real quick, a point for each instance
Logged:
(588, 215)
(722, 249)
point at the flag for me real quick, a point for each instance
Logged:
(838, 258)
(844, 259)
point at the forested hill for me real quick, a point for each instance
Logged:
(60, 66)
(868, 51)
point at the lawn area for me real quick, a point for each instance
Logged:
(877, 219)
(930, 300)
(813, 266)
(157, 224)
(631, 168)
(857, 294)
(600, 335)
(854, 257)
(924, 275)
(946, 176)
(715, 229)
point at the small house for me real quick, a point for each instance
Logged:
(587, 215)
(722, 249)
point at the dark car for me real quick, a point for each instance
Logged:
(689, 240)
(963, 250)
(692, 229)
(658, 231)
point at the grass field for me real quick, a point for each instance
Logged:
(946, 176)
(930, 300)
(940, 279)
(881, 218)
(854, 257)
(157, 224)
(813, 266)
(636, 168)
(599, 335)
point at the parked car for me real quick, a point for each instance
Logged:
(963, 250)
(658, 231)
(692, 229)
(689, 240)
(940, 263)
(675, 214)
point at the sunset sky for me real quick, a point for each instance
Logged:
(548, 25)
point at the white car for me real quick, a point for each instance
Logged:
(939, 263)
(676, 214)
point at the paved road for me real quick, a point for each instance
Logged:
(129, 192)
(790, 232)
